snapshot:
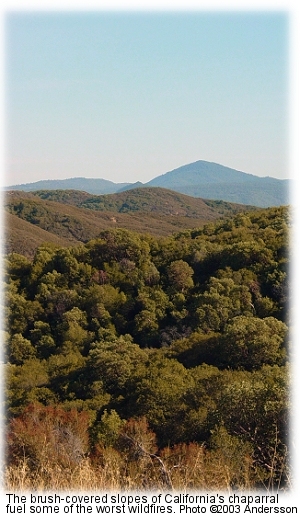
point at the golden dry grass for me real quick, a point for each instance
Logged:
(194, 469)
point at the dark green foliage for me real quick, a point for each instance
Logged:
(188, 332)
(253, 342)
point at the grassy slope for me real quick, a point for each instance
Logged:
(24, 238)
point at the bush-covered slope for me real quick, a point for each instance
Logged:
(73, 216)
(146, 200)
(148, 349)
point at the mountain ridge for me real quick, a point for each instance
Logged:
(201, 179)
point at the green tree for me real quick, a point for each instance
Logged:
(252, 342)
(180, 275)
(116, 364)
(107, 430)
(20, 349)
(73, 330)
(24, 384)
(254, 406)
(160, 397)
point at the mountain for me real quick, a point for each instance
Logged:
(96, 186)
(131, 186)
(68, 217)
(203, 179)
(214, 181)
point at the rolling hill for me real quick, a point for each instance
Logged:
(68, 217)
(151, 200)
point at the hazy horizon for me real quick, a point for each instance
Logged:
(124, 182)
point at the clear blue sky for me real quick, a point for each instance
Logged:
(128, 96)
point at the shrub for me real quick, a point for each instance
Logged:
(47, 435)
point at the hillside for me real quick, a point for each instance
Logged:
(145, 200)
(24, 238)
(199, 179)
(74, 217)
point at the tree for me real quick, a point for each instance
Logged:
(180, 275)
(116, 364)
(160, 397)
(22, 383)
(152, 304)
(20, 349)
(73, 330)
(254, 407)
(107, 430)
(251, 342)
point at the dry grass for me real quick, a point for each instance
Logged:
(190, 468)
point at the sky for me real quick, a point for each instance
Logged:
(129, 95)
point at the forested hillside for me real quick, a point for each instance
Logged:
(151, 362)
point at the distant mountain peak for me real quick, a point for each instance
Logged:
(211, 180)
(204, 179)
